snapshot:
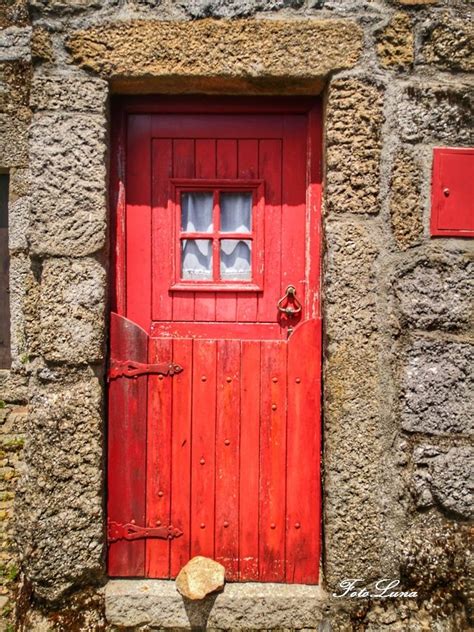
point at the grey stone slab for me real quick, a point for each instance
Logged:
(440, 114)
(13, 140)
(68, 166)
(448, 41)
(353, 401)
(437, 387)
(350, 288)
(242, 606)
(436, 294)
(64, 7)
(234, 8)
(15, 44)
(442, 477)
(70, 92)
(59, 508)
(18, 221)
(452, 483)
(20, 275)
(72, 310)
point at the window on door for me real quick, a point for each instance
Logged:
(218, 237)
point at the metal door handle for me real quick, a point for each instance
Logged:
(290, 294)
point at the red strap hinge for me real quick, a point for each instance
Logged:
(130, 531)
(129, 368)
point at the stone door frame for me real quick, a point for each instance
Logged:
(71, 115)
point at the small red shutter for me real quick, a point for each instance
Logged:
(452, 208)
(127, 447)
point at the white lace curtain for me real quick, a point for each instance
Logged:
(235, 212)
(235, 259)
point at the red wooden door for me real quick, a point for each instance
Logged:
(214, 396)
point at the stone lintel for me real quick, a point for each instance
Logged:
(249, 49)
(157, 603)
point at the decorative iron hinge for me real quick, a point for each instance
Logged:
(129, 368)
(130, 531)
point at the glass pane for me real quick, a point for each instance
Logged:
(236, 212)
(196, 259)
(236, 259)
(196, 212)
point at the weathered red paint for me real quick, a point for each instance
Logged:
(452, 192)
(227, 450)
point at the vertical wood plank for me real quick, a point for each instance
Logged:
(183, 167)
(293, 213)
(272, 525)
(203, 448)
(183, 158)
(205, 302)
(313, 212)
(162, 229)
(226, 158)
(226, 167)
(118, 298)
(181, 454)
(138, 220)
(270, 171)
(227, 456)
(205, 158)
(247, 167)
(303, 454)
(127, 447)
(249, 460)
(158, 478)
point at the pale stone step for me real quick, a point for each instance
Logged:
(157, 603)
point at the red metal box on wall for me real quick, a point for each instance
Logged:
(452, 192)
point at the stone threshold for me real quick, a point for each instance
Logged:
(246, 606)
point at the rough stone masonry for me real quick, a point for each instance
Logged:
(396, 76)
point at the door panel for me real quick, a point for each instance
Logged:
(269, 170)
(281, 164)
(303, 454)
(127, 446)
(272, 460)
(227, 450)
(181, 452)
(158, 458)
(249, 459)
(203, 458)
(214, 416)
(162, 160)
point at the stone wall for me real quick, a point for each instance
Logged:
(399, 342)
(15, 117)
